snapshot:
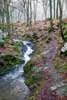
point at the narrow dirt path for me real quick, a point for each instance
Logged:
(53, 78)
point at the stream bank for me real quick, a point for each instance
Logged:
(44, 81)
(12, 86)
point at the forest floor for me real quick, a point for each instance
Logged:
(47, 71)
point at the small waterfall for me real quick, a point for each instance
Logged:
(29, 51)
(19, 69)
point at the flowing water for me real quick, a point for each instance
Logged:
(12, 85)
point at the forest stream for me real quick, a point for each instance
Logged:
(12, 86)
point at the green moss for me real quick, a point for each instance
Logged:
(31, 77)
(32, 98)
(64, 26)
(17, 43)
(60, 67)
(32, 81)
(18, 51)
(17, 46)
(63, 68)
(28, 67)
(8, 62)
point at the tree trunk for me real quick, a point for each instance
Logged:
(28, 13)
(3, 20)
(57, 16)
(51, 24)
(54, 8)
(60, 21)
(6, 3)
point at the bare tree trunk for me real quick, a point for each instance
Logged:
(35, 9)
(3, 20)
(45, 4)
(6, 3)
(57, 16)
(24, 2)
(51, 24)
(54, 8)
(60, 21)
(30, 12)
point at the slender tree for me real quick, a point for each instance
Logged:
(51, 24)
(54, 7)
(30, 12)
(57, 10)
(6, 5)
(60, 20)
(45, 7)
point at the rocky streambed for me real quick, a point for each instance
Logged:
(12, 86)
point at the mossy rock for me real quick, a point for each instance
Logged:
(17, 43)
(32, 80)
(28, 67)
(8, 62)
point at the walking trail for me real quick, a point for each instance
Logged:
(53, 79)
